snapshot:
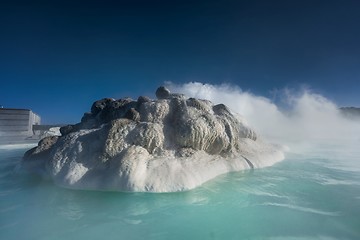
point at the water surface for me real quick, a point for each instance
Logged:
(304, 197)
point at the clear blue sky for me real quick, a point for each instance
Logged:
(57, 57)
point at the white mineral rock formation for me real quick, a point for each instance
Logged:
(170, 144)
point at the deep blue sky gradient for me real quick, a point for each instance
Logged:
(57, 57)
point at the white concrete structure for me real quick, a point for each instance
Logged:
(17, 124)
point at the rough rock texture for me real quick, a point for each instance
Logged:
(170, 144)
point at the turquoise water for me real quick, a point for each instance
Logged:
(303, 197)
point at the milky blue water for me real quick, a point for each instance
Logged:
(303, 197)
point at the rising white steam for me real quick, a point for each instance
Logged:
(308, 120)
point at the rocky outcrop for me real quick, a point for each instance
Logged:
(350, 112)
(173, 143)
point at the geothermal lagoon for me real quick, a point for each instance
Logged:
(313, 193)
(303, 197)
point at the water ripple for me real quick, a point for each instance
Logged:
(9, 192)
(8, 225)
(10, 208)
(303, 209)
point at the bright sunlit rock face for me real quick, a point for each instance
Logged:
(170, 144)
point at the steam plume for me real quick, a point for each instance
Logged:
(310, 119)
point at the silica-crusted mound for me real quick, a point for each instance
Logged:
(173, 143)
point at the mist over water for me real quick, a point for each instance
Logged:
(313, 194)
